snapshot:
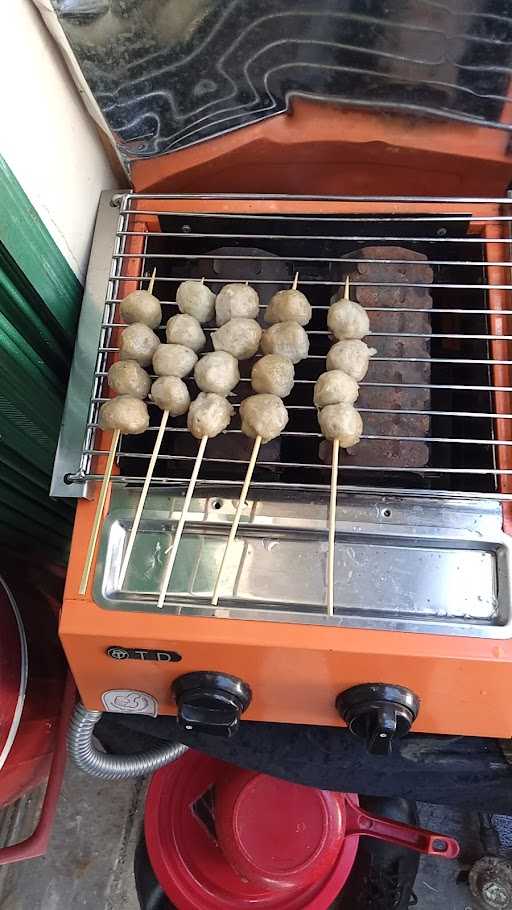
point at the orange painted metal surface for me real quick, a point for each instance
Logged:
(296, 671)
(320, 148)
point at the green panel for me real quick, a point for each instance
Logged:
(43, 275)
(39, 305)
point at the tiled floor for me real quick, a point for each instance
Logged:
(89, 863)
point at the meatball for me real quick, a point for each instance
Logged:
(125, 413)
(235, 300)
(186, 330)
(343, 422)
(352, 356)
(263, 415)
(289, 306)
(194, 298)
(171, 394)
(335, 387)
(138, 342)
(173, 360)
(273, 374)
(286, 338)
(209, 415)
(126, 377)
(217, 372)
(347, 319)
(141, 306)
(239, 337)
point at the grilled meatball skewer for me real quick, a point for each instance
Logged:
(124, 414)
(208, 415)
(171, 395)
(335, 393)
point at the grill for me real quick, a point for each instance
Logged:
(421, 599)
(433, 393)
(421, 499)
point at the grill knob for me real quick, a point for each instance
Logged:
(210, 702)
(378, 713)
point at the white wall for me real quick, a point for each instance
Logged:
(46, 136)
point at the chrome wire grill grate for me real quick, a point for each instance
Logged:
(434, 394)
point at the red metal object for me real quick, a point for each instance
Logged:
(32, 676)
(34, 712)
(37, 843)
(271, 844)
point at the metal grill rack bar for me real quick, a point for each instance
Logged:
(438, 410)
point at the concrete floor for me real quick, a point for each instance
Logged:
(89, 862)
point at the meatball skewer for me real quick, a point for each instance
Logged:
(142, 312)
(335, 393)
(124, 414)
(209, 415)
(263, 418)
(171, 395)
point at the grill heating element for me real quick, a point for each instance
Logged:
(429, 401)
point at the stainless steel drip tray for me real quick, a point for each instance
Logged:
(419, 565)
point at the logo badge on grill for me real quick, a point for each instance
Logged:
(129, 701)
(118, 653)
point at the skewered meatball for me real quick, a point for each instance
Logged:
(236, 300)
(186, 330)
(335, 387)
(126, 377)
(263, 415)
(343, 422)
(273, 374)
(347, 319)
(217, 372)
(194, 298)
(173, 360)
(289, 306)
(286, 338)
(138, 342)
(352, 356)
(141, 306)
(209, 415)
(171, 394)
(239, 337)
(127, 414)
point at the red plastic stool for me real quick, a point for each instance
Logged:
(219, 837)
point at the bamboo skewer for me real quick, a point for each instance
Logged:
(149, 475)
(332, 507)
(238, 515)
(332, 527)
(295, 281)
(84, 581)
(143, 496)
(181, 523)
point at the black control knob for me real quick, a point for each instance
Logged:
(210, 702)
(378, 713)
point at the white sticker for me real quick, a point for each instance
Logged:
(129, 701)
